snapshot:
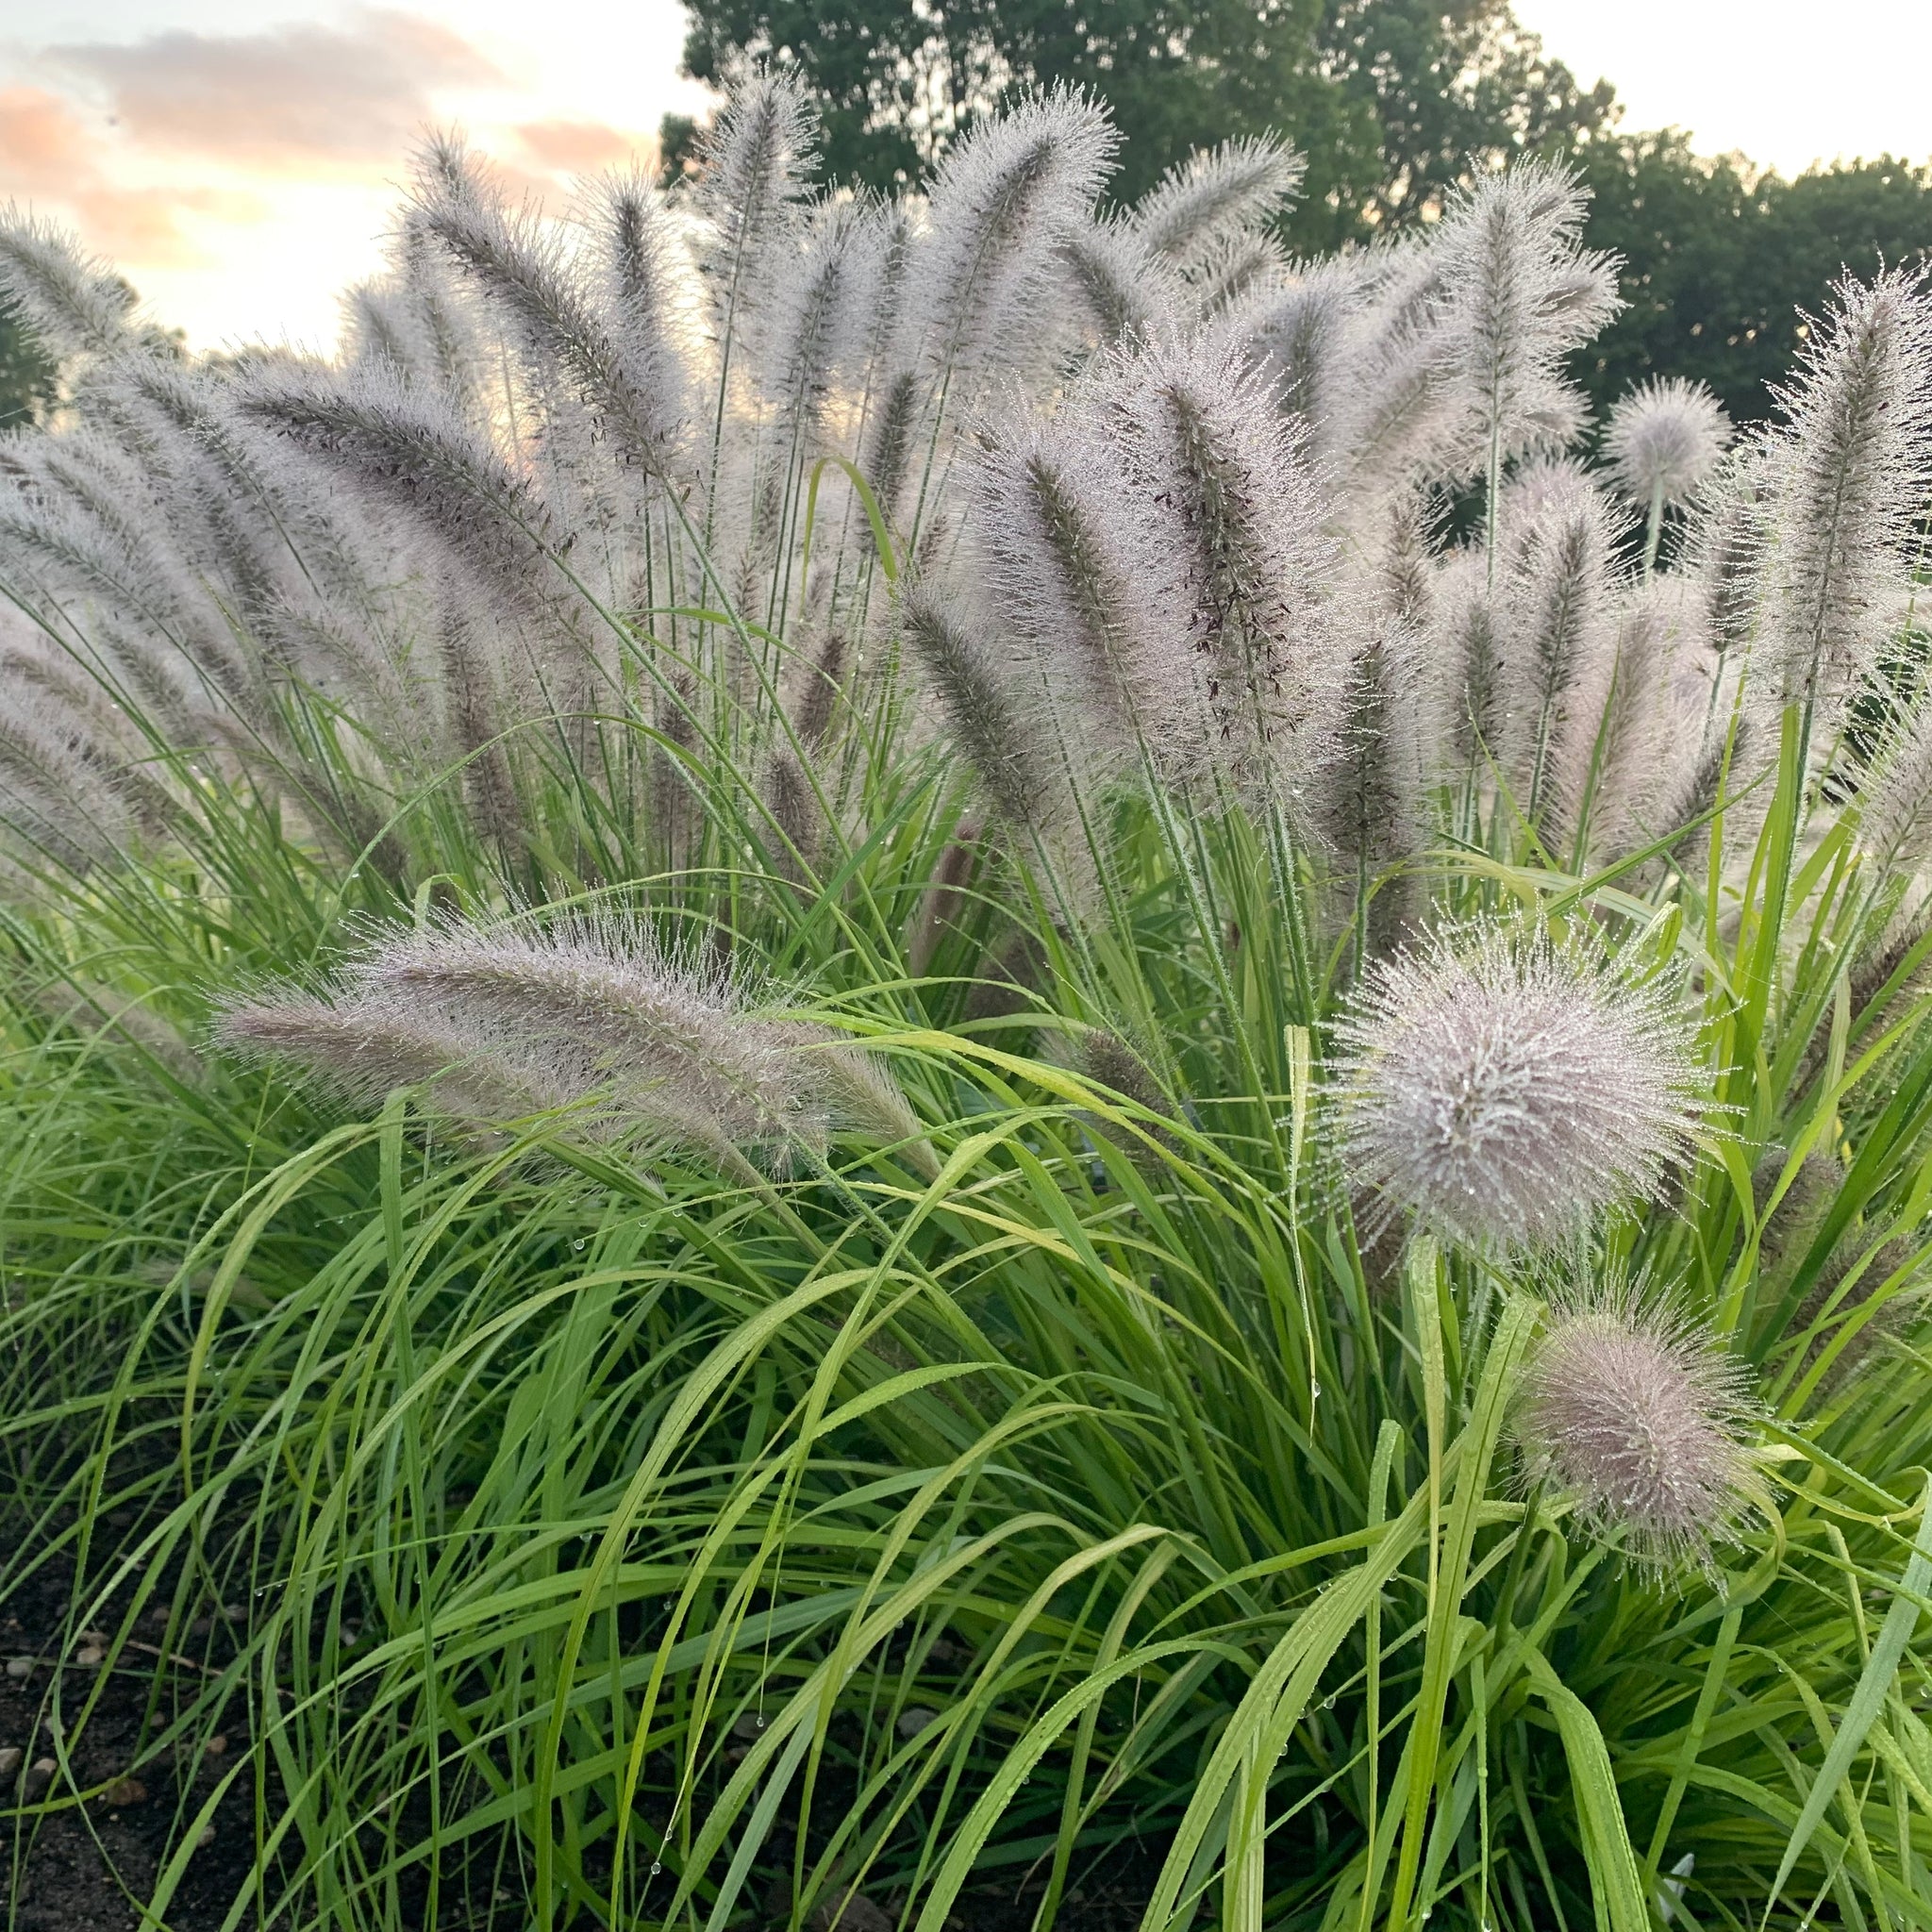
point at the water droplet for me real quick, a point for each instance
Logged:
(578, 1246)
(656, 1867)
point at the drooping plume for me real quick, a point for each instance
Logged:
(1215, 196)
(1504, 1089)
(1638, 1417)
(1004, 200)
(593, 1018)
(73, 302)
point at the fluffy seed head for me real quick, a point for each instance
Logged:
(1859, 462)
(1213, 197)
(1503, 1090)
(1664, 439)
(72, 301)
(1638, 1417)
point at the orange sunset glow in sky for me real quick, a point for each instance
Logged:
(239, 163)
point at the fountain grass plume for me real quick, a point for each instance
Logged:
(523, 272)
(592, 1018)
(73, 302)
(1504, 1089)
(754, 162)
(1216, 194)
(1083, 580)
(1639, 1417)
(1857, 464)
(1002, 201)
(1243, 516)
(1663, 441)
(1125, 286)
(815, 320)
(1558, 596)
(1518, 292)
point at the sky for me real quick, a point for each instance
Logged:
(238, 159)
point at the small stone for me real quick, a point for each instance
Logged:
(90, 1656)
(39, 1774)
(10, 1756)
(99, 1636)
(217, 1744)
(848, 1911)
(200, 1627)
(206, 1838)
(914, 1721)
(124, 1792)
(750, 1727)
(19, 1667)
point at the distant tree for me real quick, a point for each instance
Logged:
(27, 377)
(1723, 259)
(1391, 99)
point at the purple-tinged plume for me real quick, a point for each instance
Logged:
(1638, 1417)
(1503, 1090)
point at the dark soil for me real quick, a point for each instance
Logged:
(81, 1844)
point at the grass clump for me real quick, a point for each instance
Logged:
(996, 1040)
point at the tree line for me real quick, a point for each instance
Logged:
(1392, 101)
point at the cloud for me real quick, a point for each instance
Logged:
(48, 154)
(576, 147)
(290, 99)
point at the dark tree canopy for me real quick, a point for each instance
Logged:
(1720, 259)
(1389, 99)
(27, 377)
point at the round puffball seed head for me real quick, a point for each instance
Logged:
(1664, 439)
(1504, 1092)
(1639, 1419)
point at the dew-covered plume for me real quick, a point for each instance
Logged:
(1003, 202)
(1503, 1088)
(1518, 290)
(1664, 439)
(73, 303)
(1216, 196)
(1636, 1415)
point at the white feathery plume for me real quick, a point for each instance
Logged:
(1213, 196)
(1302, 335)
(1727, 540)
(523, 269)
(1896, 801)
(1857, 468)
(755, 161)
(1002, 201)
(1503, 1090)
(1637, 1416)
(1558, 595)
(58, 790)
(593, 1016)
(1242, 512)
(1466, 630)
(412, 453)
(71, 301)
(1664, 439)
(1242, 269)
(813, 327)
(1075, 570)
(1019, 757)
(1626, 751)
(1125, 287)
(642, 282)
(1518, 292)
